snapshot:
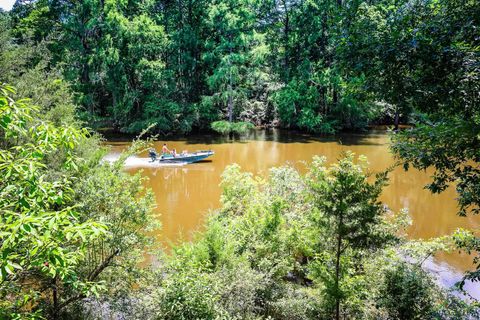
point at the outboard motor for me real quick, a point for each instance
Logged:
(153, 154)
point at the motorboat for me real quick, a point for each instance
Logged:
(184, 157)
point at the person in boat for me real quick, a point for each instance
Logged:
(174, 153)
(165, 149)
(153, 154)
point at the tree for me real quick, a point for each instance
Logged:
(446, 137)
(234, 49)
(185, 23)
(71, 226)
(43, 241)
(111, 52)
(318, 66)
(28, 65)
(348, 212)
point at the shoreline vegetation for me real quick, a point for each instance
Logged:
(284, 246)
(74, 229)
(111, 132)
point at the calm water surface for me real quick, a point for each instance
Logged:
(185, 194)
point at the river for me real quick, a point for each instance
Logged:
(186, 194)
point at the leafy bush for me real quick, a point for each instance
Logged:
(316, 123)
(242, 127)
(299, 106)
(222, 127)
(225, 127)
(407, 292)
(188, 294)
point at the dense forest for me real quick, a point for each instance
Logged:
(75, 230)
(320, 66)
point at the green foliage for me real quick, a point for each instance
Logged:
(225, 127)
(298, 106)
(470, 243)
(318, 66)
(43, 239)
(235, 52)
(407, 293)
(72, 226)
(350, 218)
(187, 65)
(187, 294)
(303, 243)
(446, 93)
(106, 193)
(448, 146)
(28, 66)
(242, 127)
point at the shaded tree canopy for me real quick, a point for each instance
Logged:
(319, 66)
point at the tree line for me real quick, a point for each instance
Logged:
(314, 65)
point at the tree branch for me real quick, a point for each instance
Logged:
(93, 275)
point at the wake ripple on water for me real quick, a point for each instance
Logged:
(137, 162)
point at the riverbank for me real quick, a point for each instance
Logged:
(113, 134)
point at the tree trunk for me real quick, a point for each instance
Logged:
(230, 86)
(396, 119)
(85, 77)
(337, 268)
(55, 299)
(334, 98)
(230, 101)
(286, 39)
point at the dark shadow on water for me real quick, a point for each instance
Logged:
(284, 136)
(372, 137)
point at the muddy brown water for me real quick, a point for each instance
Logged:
(186, 194)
